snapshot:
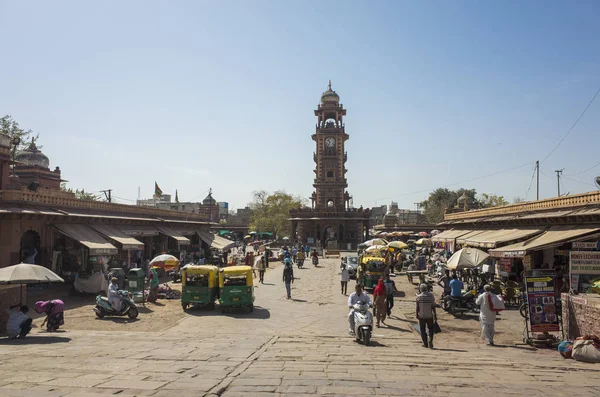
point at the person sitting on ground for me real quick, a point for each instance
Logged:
(18, 324)
(54, 310)
(456, 287)
(353, 299)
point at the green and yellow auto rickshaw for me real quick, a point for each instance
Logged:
(199, 285)
(373, 268)
(236, 288)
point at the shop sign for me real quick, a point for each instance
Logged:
(505, 265)
(562, 252)
(310, 240)
(582, 245)
(513, 254)
(541, 302)
(585, 262)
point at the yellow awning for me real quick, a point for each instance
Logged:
(88, 237)
(492, 238)
(449, 235)
(215, 241)
(182, 240)
(554, 236)
(128, 243)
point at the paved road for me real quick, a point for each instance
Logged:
(286, 347)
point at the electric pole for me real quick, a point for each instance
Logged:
(558, 172)
(537, 168)
(107, 194)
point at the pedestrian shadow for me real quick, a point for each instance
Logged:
(35, 339)
(299, 300)
(265, 284)
(258, 313)
(400, 294)
(144, 309)
(451, 350)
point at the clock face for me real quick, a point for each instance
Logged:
(330, 142)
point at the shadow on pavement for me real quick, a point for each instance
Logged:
(259, 313)
(33, 339)
(120, 320)
(396, 328)
(144, 309)
(299, 300)
(450, 350)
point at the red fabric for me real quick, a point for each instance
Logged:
(489, 297)
(380, 289)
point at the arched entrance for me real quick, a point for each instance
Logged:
(30, 247)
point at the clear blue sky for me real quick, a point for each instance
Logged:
(199, 94)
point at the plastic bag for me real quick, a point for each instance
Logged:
(498, 303)
(587, 349)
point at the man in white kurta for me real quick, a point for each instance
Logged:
(113, 294)
(487, 316)
(354, 298)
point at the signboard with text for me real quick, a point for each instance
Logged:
(541, 302)
(582, 245)
(585, 262)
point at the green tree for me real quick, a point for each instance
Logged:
(441, 199)
(80, 194)
(270, 212)
(11, 128)
(491, 200)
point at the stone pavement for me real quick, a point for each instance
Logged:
(286, 347)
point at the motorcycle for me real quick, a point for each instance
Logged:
(458, 306)
(315, 261)
(363, 323)
(128, 307)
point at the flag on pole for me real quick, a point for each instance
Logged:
(176, 196)
(157, 191)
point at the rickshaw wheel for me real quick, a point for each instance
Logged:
(251, 308)
(184, 306)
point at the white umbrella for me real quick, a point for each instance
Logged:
(25, 273)
(375, 241)
(467, 258)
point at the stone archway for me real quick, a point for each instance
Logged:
(30, 247)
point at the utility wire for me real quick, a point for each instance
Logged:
(575, 180)
(573, 126)
(530, 183)
(584, 171)
(449, 185)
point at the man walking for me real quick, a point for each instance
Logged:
(390, 288)
(288, 276)
(261, 265)
(345, 276)
(487, 314)
(425, 314)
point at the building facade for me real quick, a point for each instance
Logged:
(330, 222)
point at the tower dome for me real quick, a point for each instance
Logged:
(209, 200)
(330, 96)
(33, 157)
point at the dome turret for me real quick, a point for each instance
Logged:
(209, 200)
(330, 96)
(33, 157)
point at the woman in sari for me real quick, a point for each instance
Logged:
(379, 298)
(54, 311)
(154, 282)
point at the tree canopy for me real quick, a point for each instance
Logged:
(441, 199)
(269, 212)
(79, 194)
(11, 128)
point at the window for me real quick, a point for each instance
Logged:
(329, 174)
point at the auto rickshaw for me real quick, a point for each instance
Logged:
(199, 285)
(236, 288)
(373, 269)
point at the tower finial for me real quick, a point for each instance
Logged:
(329, 85)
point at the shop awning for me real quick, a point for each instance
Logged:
(182, 240)
(88, 237)
(464, 237)
(449, 235)
(554, 236)
(215, 241)
(142, 231)
(128, 243)
(493, 238)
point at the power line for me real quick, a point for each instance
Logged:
(124, 199)
(573, 126)
(575, 180)
(531, 182)
(584, 171)
(449, 185)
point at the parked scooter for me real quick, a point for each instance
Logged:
(363, 323)
(128, 307)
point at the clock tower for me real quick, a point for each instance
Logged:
(330, 157)
(331, 222)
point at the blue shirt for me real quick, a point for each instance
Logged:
(456, 287)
